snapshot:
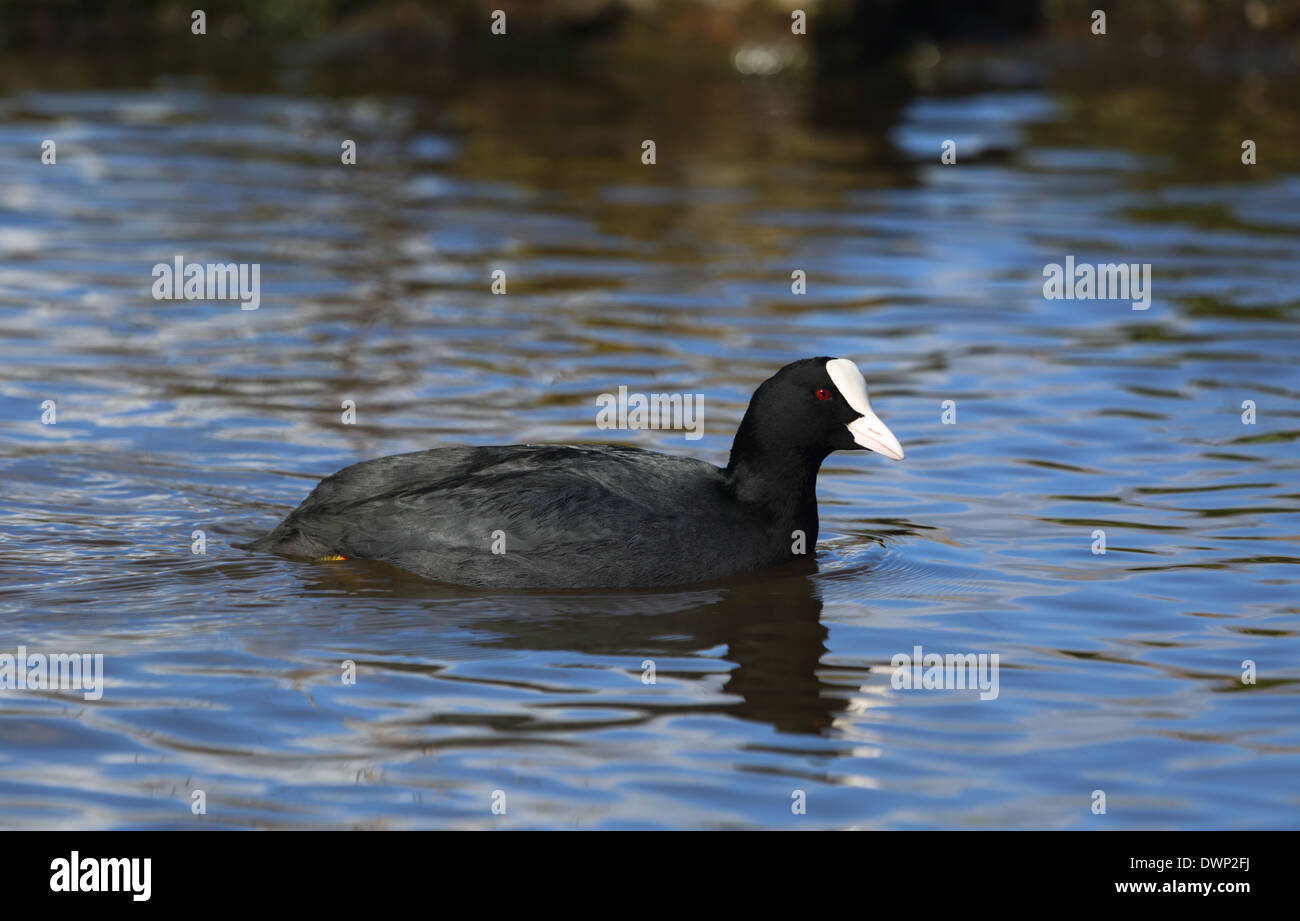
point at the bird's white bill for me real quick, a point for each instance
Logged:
(868, 431)
(872, 434)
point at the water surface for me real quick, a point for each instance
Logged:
(1119, 672)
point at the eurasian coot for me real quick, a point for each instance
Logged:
(580, 516)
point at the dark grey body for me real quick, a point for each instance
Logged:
(570, 516)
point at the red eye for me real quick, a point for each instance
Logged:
(823, 394)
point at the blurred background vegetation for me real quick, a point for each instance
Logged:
(401, 41)
(1227, 67)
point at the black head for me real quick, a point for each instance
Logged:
(807, 410)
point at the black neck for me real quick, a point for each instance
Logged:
(783, 478)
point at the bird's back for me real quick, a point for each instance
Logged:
(533, 516)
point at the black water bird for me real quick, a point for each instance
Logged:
(583, 516)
